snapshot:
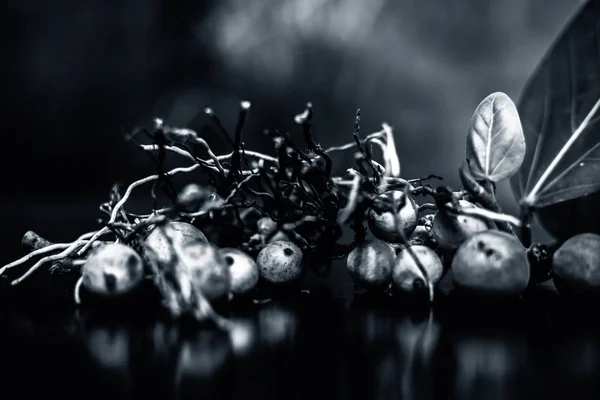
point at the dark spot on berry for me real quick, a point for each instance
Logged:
(287, 251)
(110, 281)
(229, 260)
(480, 246)
(489, 252)
(418, 283)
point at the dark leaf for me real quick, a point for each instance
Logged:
(559, 111)
(495, 142)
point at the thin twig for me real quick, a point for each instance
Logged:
(236, 160)
(350, 145)
(209, 111)
(212, 155)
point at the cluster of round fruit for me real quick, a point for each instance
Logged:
(407, 254)
(484, 260)
(217, 273)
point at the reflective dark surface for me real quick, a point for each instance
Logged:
(308, 346)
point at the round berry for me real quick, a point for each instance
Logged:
(383, 226)
(280, 262)
(407, 275)
(576, 265)
(491, 262)
(370, 264)
(209, 271)
(112, 269)
(450, 231)
(242, 269)
(180, 233)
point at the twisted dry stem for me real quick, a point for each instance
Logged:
(353, 144)
(212, 155)
(182, 152)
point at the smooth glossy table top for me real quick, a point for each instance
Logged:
(308, 346)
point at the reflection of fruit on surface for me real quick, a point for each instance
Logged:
(112, 270)
(571, 217)
(450, 231)
(576, 265)
(208, 270)
(280, 262)
(579, 356)
(491, 262)
(205, 353)
(383, 226)
(242, 269)
(276, 323)
(181, 233)
(109, 347)
(417, 339)
(243, 335)
(370, 264)
(407, 276)
(497, 361)
(575, 351)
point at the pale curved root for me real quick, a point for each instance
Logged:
(93, 239)
(42, 251)
(50, 259)
(33, 254)
(76, 291)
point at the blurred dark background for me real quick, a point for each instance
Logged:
(76, 72)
